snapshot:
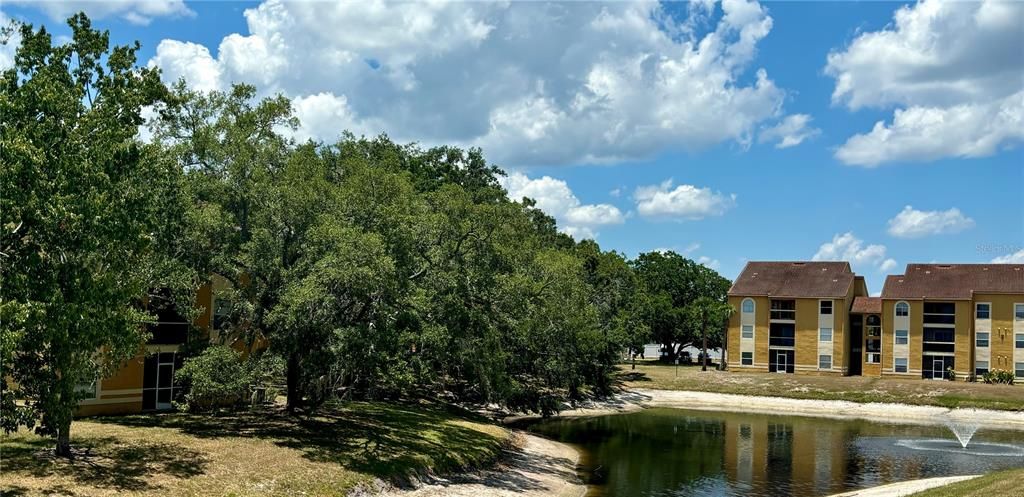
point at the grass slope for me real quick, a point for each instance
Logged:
(262, 452)
(852, 388)
(1009, 483)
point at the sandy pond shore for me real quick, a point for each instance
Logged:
(634, 399)
(536, 467)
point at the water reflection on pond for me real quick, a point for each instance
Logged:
(672, 452)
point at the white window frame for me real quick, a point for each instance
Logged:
(743, 331)
(977, 366)
(821, 307)
(1017, 339)
(743, 359)
(896, 310)
(820, 333)
(896, 337)
(988, 339)
(823, 356)
(977, 305)
(877, 356)
(753, 306)
(1018, 315)
(896, 364)
(1017, 368)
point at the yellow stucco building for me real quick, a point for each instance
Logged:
(932, 321)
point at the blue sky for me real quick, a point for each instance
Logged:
(593, 108)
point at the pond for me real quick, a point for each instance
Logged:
(673, 452)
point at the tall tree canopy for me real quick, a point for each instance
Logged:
(374, 268)
(83, 213)
(671, 284)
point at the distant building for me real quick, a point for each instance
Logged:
(816, 318)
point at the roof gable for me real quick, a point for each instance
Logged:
(954, 281)
(801, 279)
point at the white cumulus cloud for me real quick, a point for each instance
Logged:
(913, 223)
(682, 202)
(554, 197)
(1014, 258)
(951, 70)
(790, 132)
(530, 82)
(140, 12)
(847, 247)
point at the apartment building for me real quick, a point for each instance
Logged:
(146, 381)
(792, 317)
(932, 321)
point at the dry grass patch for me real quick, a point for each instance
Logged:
(852, 388)
(251, 453)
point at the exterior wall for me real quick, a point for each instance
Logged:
(1000, 353)
(737, 345)
(964, 339)
(807, 346)
(913, 349)
(121, 393)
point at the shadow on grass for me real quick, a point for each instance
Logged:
(104, 462)
(393, 442)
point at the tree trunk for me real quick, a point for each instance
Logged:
(704, 346)
(63, 448)
(294, 392)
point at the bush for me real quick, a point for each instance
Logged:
(215, 378)
(998, 376)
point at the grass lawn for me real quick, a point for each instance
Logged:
(1009, 483)
(650, 374)
(264, 452)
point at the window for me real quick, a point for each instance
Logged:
(747, 358)
(783, 310)
(980, 368)
(982, 311)
(87, 389)
(221, 312)
(748, 305)
(748, 331)
(902, 337)
(899, 364)
(826, 307)
(981, 339)
(1018, 369)
(902, 309)
(824, 362)
(825, 335)
(781, 334)
(1018, 312)
(940, 313)
(874, 358)
(1019, 340)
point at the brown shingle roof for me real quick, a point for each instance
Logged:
(794, 279)
(954, 281)
(866, 305)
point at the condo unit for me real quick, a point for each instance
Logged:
(935, 321)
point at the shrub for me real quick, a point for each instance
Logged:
(998, 376)
(217, 377)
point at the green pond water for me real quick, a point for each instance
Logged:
(674, 452)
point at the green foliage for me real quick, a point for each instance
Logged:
(217, 377)
(998, 376)
(84, 207)
(373, 269)
(675, 291)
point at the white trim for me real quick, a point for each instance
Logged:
(125, 391)
(895, 307)
(989, 304)
(120, 400)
